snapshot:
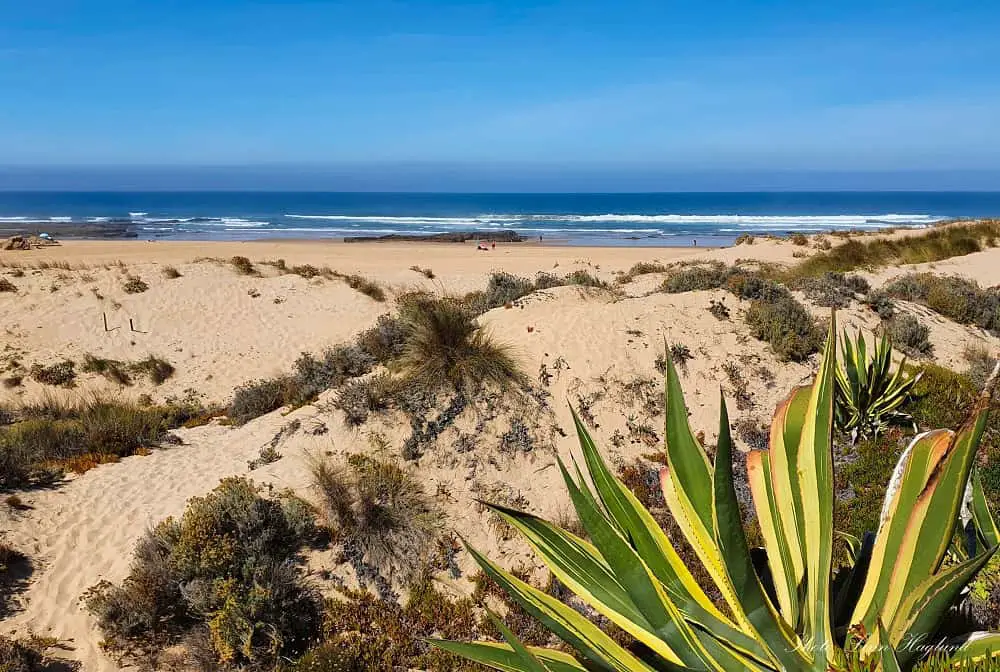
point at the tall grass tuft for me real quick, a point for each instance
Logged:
(446, 347)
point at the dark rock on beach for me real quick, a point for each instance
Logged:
(452, 237)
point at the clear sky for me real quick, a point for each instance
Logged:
(505, 86)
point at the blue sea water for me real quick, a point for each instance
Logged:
(659, 219)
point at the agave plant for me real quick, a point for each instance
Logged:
(869, 395)
(788, 610)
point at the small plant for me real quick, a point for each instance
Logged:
(958, 299)
(386, 340)
(379, 513)
(446, 348)
(243, 266)
(171, 273)
(833, 290)
(679, 354)
(909, 335)
(13, 381)
(158, 370)
(693, 278)
(7, 286)
(226, 567)
(786, 325)
(981, 361)
(112, 369)
(369, 288)
(738, 385)
(61, 374)
(256, 398)
(134, 285)
(360, 397)
(718, 309)
(642, 268)
(798, 239)
(881, 303)
(869, 395)
(426, 272)
(744, 239)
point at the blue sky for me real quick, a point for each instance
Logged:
(500, 87)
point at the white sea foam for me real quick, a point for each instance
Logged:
(138, 214)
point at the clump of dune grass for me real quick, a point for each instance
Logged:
(446, 347)
(380, 513)
(941, 242)
(798, 239)
(134, 285)
(112, 369)
(7, 286)
(642, 268)
(171, 273)
(51, 434)
(366, 286)
(908, 334)
(385, 340)
(158, 370)
(243, 266)
(426, 272)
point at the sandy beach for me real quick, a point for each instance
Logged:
(220, 329)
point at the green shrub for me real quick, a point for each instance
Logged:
(693, 278)
(386, 340)
(313, 375)
(233, 552)
(585, 279)
(956, 298)
(909, 335)
(256, 398)
(786, 325)
(504, 288)
(881, 303)
(862, 480)
(61, 374)
(134, 285)
(832, 289)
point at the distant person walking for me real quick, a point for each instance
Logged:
(696, 242)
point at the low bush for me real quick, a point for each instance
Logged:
(862, 480)
(171, 273)
(112, 369)
(909, 335)
(680, 354)
(958, 299)
(256, 398)
(786, 325)
(380, 514)
(134, 285)
(503, 288)
(881, 303)
(693, 278)
(313, 375)
(981, 362)
(360, 397)
(7, 286)
(833, 289)
(61, 374)
(798, 239)
(584, 279)
(158, 370)
(227, 566)
(386, 340)
(426, 272)
(243, 266)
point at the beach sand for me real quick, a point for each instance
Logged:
(221, 329)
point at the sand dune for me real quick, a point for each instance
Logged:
(219, 336)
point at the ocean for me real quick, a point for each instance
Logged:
(659, 219)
